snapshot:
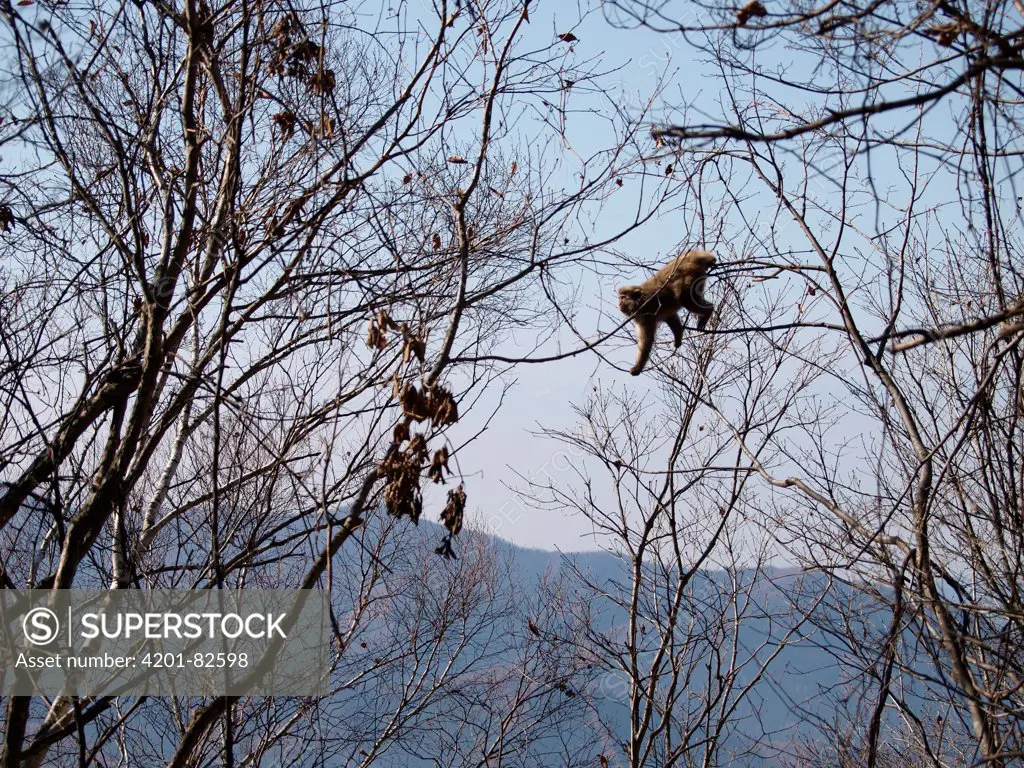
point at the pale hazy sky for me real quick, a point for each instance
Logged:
(544, 394)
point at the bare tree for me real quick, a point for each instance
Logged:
(864, 161)
(686, 630)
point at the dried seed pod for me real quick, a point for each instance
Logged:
(946, 34)
(439, 465)
(323, 82)
(417, 449)
(286, 121)
(414, 346)
(442, 407)
(751, 10)
(376, 334)
(375, 337)
(401, 470)
(414, 405)
(454, 510)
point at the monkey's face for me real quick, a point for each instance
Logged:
(630, 299)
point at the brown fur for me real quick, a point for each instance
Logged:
(677, 285)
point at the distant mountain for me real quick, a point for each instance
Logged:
(804, 679)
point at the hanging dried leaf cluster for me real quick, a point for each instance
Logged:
(454, 510)
(414, 346)
(286, 121)
(298, 57)
(752, 10)
(432, 402)
(377, 333)
(439, 465)
(403, 467)
(451, 516)
(401, 470)
(322, 81)
(407, 458)
(946, 34)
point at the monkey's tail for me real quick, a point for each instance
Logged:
(700, 261)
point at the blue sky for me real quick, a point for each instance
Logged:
(642, 62)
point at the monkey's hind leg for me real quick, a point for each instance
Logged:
(703, 316)
(673, 322)
(701, 307)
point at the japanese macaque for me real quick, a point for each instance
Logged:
(677, 285)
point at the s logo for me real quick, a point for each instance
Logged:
(40, 626)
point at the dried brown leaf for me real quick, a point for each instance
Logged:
(414, 347)
(439, 465)
(753, 9)
(286, 121)
(945, 34)
(442, 407)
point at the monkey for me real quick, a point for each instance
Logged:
(677, 285)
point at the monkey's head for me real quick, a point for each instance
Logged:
(630, 299)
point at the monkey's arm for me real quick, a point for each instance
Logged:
(645, 327)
